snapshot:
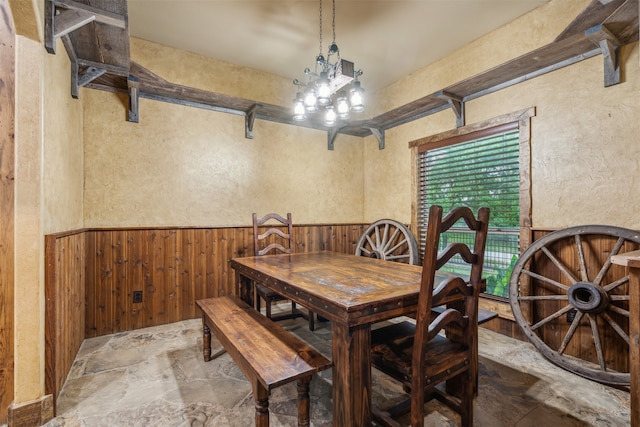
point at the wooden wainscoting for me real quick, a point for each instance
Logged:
(173, 268)
(91, 277)
(65, 260)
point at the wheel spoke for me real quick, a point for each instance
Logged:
(597, 342)
(607, 263)
(619, 297)
(385, 234)
(560, 265)
(396, 247)
(618, 310)
(543, 298)
(555, 315)
(546, 280)
(378, 238)
(571, 331)
(373, 246)
(616, 327)
(583, 262)
(366, 251)
(390, 241)
(392, 257)
(615, 284)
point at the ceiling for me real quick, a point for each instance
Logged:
(387, 39)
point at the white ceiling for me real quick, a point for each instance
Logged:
(387, 39)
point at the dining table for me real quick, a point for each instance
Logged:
(353, 293)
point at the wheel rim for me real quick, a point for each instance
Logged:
(578, 319)
(388, 240)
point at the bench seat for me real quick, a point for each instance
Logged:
(267, 354)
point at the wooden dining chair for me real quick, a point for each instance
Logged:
(430, 364)
(273, 241)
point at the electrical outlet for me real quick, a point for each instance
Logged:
(137, 296)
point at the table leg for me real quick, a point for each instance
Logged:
(351, 375)
(206, 341)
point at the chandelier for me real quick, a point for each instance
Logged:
(326, 92)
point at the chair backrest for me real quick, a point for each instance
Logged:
(273, 238)
(457, 294)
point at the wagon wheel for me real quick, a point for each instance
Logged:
(389, 240)
(573, 304)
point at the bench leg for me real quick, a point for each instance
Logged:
(261, 397)
(303, 401)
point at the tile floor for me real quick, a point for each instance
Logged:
(156, 377)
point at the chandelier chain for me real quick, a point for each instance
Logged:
(333, 23)
(320, 51)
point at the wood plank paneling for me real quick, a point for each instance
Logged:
(174, 268)
(66, 306)
(7, 195)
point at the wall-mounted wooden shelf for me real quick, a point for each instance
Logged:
(96, 36)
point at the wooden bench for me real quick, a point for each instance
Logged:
(268, 355)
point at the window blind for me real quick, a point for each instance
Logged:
(479, 172)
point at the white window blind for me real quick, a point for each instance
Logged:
(474, 173)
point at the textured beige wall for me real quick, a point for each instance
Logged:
(584, 141)
(29, 259)
(63, 147)
(49, 184)
(183, 166)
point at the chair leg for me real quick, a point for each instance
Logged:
(303, 401)
(267, 303)
(466, 404)
(312, 321)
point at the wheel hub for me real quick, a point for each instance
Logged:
(588, 298)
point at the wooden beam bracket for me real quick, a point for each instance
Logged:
(609, 47)
(65, 16)
(456, 103)
(249, 120)
(379, 134)
(133, 84)
(331, 136)
(80, 79)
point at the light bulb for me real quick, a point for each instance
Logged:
(330, 116)
(357, 93)
(298, 108)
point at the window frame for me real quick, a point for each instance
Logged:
(520, 119)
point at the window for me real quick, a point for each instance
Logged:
(480, 166)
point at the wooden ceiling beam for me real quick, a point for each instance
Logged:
(602, 28)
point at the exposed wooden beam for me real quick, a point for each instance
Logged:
(65, 16)
(103, 16)
(609, 46)
(69, 20)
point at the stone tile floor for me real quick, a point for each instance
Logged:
(156, 377)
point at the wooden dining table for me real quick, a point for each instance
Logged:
(353, 293)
